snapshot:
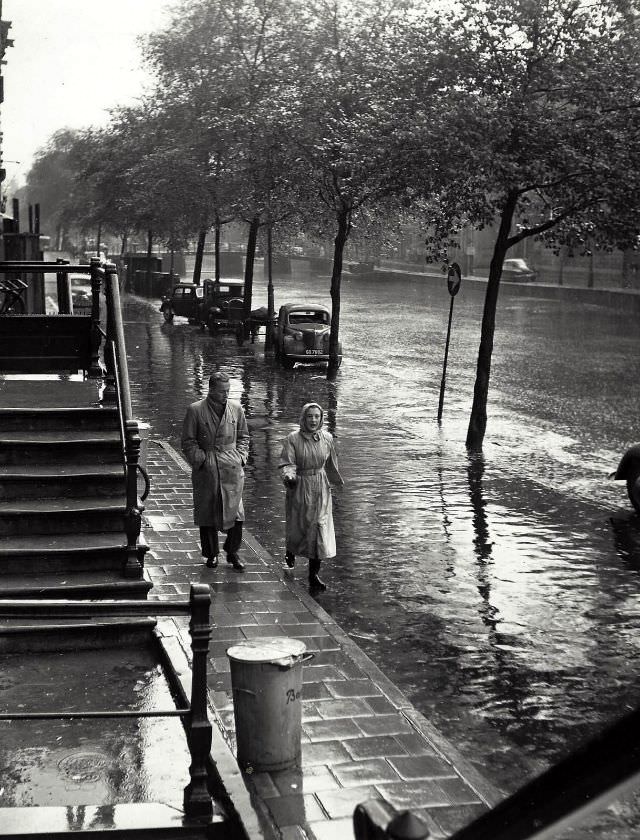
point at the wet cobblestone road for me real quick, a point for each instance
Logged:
(501, 594)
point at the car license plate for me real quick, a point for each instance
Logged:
(313, 352)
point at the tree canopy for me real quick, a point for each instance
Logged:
(335, 117)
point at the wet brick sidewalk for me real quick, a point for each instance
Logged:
(361, 737)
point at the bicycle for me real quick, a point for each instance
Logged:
(12, 302)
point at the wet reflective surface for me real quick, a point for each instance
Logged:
(89, 762)
(500, 593)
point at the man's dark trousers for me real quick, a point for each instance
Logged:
(210, 544)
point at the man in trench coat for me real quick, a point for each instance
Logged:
(215, 442)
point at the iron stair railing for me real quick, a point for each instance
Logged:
(117, 390)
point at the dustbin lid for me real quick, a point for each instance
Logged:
(278, 650)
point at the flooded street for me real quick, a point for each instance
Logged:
(501, 593)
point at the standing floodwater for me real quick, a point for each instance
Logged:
(501, 593)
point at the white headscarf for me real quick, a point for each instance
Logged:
(303, 420)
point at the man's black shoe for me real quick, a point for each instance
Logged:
(212, 563)
(236, 562)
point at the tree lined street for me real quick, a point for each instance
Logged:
(500, 593)
(485, 561)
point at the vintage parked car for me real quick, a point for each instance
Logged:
(516, 270)
(222, 305)
(185, 299)
(301, 334)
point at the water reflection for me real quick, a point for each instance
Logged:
(101, 817)
(481, 542)
(494, 590)
(85, 762)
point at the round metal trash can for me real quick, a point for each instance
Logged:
(266, 680)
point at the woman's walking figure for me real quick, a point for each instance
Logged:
(308, 463)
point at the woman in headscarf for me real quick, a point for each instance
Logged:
(307, 463)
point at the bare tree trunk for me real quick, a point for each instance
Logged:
(248, 265)
(197, 268)
(336, 276)
(217, 248)
(268, 338)
(149, 250)
(478, 418)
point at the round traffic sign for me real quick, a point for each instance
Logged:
(454, 278)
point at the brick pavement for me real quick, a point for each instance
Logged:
(361, 738)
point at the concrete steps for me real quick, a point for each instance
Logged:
(75, 586)
(65, 418)
(20, 447)
(51, 481)
(61, 516)
(62, 493)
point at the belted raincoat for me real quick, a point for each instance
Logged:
(310, 458)
(217, 449)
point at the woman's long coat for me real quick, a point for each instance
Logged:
(217, 450)
(311, 459)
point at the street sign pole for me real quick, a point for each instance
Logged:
(454, 278)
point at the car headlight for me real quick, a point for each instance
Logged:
(294, 335)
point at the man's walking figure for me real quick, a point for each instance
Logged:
(215, 442)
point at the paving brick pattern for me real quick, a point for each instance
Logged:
(361, 738)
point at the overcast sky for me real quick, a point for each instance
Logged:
(71, 60)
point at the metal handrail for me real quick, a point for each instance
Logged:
(147, 482)
(128, 426)
(110, 347)
(197, 800)
(115, 331)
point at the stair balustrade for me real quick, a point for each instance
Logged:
(117, 371)
(71, 343)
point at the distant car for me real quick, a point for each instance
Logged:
(516, 270)
(81, 297)
(185, 299)
(301, 334)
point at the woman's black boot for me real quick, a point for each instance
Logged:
(290, 559)
(315, 584)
